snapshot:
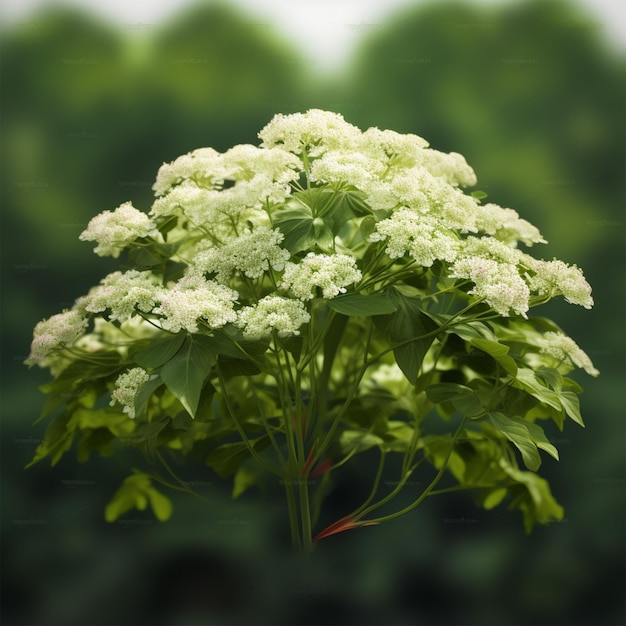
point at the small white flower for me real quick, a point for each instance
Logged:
(273, 313)
(500, 284)
(315, 130)
(423, 237)
(557, 278)
(563, 348)
(192, 299)
(506, 225)
(204, 166)
(113, 231)
(126, 388)
(330, 273)
(252, 253)
(122, 294)
(58, 331)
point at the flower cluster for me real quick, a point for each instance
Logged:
(126, 387)
(113, 231)
(330, 273)
(255, 246)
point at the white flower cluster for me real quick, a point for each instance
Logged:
(273, 313)
(60, 330)
(252, 253)
(564, 349)
(231, 226)
(113, 231)
(193, 298)
(193, 187)
(126, 388)
(330, 273)
(423, 237)
(122, 294)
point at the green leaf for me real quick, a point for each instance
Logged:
(226, 459)
(135, 493)
(527, 380)
(359, 440)
(532, 496)
(356, 304)
(462, 398)
(525, 436)
(187, 371)
(407, 326)
(571, 405)
(244, 478)
(499, 352)
(302, 230)
(159, 352)
(479, 195)
(144, 394)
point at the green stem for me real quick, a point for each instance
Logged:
(433, 482)
(293, 514)
(305, 515)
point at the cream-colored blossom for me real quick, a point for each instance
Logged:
(500, 284)
(122, 294)
(58, 331)
(506, 225)
(553, 278)
(564, 349)
(329, 273)
(192, 299)
(252, 253)
(114, 230)
(423, 237)
(273, 313)
(203, 166)
(126, 388)
(315, 130)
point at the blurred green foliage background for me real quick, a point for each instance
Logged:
(530, 93)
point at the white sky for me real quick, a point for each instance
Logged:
(325, 30)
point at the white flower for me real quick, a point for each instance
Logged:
(330, 273)
(113, 231)
(245, 161)
(500, 284)
(405, 149)
(252, 253)
(204, 166)
(193, 298)
(284, 315)
(563, 348)
(423, 237)
(556, 277)
(126, 388)
(122, 294)
(506, 225)
(58, 331)
(353, 168)
(450, 167)
(315, 130)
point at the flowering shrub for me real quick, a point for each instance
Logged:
(288, 306)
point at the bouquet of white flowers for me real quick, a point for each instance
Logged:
(285, 307)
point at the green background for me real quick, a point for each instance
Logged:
(530, 93)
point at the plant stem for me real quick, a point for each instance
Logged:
(305, 515)
(293, 514)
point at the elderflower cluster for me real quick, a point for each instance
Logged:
(423, 237)
(126, 388)
(564, 349)
(252, 253)
(122, 294)
(273, 313)
(330, 273)
(113, 231)
(60, 330)
(193, 298)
